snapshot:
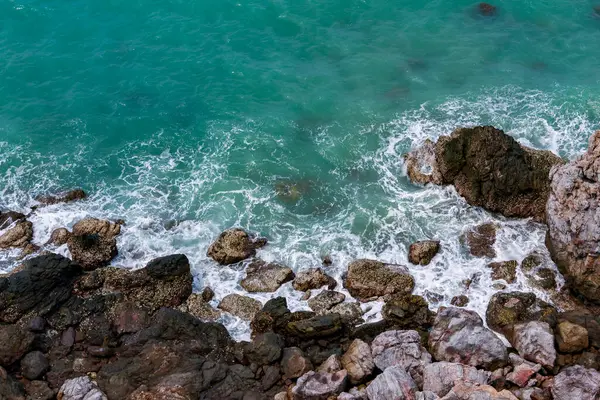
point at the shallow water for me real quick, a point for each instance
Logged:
(184, 118)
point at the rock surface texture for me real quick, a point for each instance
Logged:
(368, 279)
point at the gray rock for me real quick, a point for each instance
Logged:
(234, 245)
(401, 348)
(294, 363)
(34, 365)
(441, 377)
(466, 391)
(368, 279)
(426, 395)
(534, 341)
(312, 278)
(573, 212)
(10, 388)
(81, 388)
(265, 277)
(458, 335)
(393, 384)
(319, 385)
(241, 306)
(332, 364)
(325, 300)
(37, 324)
(358, 361)
(576, 382)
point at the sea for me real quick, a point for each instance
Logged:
(288, 118)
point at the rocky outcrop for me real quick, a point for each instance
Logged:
(66, 197)
(18, 234)
(505, 310)
(421, 253)
(369, 279)
(393, 384)
(265, 277)
(506, 270)
(458, 335)
(491, 170)
(312, 278)
(234, 245)
(241, 306)
(441, 377)
(572, 211)
(576, 382)
(93, 242)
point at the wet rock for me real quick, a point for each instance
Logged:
(589, 321)
(367, 279)
(66, 197)
(458, 335)
(571, 338)
(576, 382)
(350, 313)
(39, 390)
(199, 308)
(234, 245)
(81, 388)
(93, 243)
(423, 252)
(536, 267)
(535, 342)
(291, 191)
(393, 384)
(441, 377)
(327, 261)
(207, 294)
(507, 309)
(401, 348)
(240, 306)
(325, 300)
(421, 165)
(265, 349)
(129, 318)
(358, 361)
(7, 218)
(487, 9)
(19, 235)
(408, 311)
(265, 277)
(480, 240)
(573, 236)
(59, 237)
(506, 270)
(41, 286)
(331, 365)
(294, 363)
(316, 327)
(460, 301)
(15, 342)
(319, 385)
(466, 391)
(312, 278)
(10, 388)
(522, 371)
(34, 365)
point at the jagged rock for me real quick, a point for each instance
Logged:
(41, 286)
(81, 388)
(393, 384)
(93, 242)
(241, 306)
(294, 363)
(319, 385)
(426, 395)
(312, 278)
(331, 365)
(34, 365)
(423, 252)
(19, 235)
(358, 361)
(421, 166)
(7, 218)
(506, 270)
(576, 382)
(325, 300)
(408, 311)
(480, 240)
(535, 342)
(573, 235)
(522, 370)
(367, 279)
(265, 277)
(199, 308)
(571, 338)
(459, 301)
(458, 335)
(315, 327)
(66, 197)
(350, 313)
(401, 348)
(507, 309)
(234, 245)
(466, 391)
(441, 377)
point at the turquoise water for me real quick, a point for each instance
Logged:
(187, 117)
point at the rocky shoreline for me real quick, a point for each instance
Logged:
(73, 329)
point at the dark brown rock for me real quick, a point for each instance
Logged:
(71, 195)
(408, 312)
(505, 310)
(423, 252)
(480, 240)
(506, 270)
(294, 363)
(15, 342)
(207, 294)
(34, 365)
(93, 242)
(316, 327)
(234, 245)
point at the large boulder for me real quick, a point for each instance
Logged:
(265, 277)
(480, 240)
(319, 385)
(368, 279)
(312, 278)
(18, 234)
(40, 286)
(458, 335)
(234, 245)
(358, 361)
(492, 170)
(393, 384)
(93, 243)
(577, 382)
(421, 253)
(325, 301)
(534, 341)
(571, 338)
(573, 210)
(505, 310)
(408, 311)
(241, 306)
(441, 377)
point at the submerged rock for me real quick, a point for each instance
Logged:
(459, 301)
(66, 197)
(487, 9)
(480, 240)
(265, 277)
(368, 279)
(573, 208)
(234, 245)
(421, 253)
